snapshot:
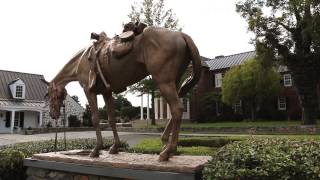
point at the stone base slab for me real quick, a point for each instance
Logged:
(122, 165)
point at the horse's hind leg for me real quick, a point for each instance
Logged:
(166, 133)
(112, 121)
(169, 92)
(92, 99)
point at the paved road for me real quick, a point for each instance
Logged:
(131, 138)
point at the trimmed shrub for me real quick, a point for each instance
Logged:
(186, 146)
(11, 165)
(266, 159)
(74, 121)
(207, 141)
(11, 156)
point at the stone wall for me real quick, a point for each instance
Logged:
(72, 108)
(41, 174)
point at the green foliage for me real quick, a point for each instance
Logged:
(87, 116)
(11, 165)
(75, 98)
(207, 141)
(250, 82)
(208, 102)
(187, 146)
(154, 13)
(74, 121)
(289, 30)
(11, 156)
(266, 159)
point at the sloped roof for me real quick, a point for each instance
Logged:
(223, 62)
(35, 87)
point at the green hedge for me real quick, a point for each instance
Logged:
(265, 159)
(186, 146)
(11, 157)
(208, 141)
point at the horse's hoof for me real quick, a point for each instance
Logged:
(163, 157)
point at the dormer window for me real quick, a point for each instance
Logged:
(18, 89)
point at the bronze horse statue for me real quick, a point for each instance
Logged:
(158, 52)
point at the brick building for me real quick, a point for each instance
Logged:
(286, 106)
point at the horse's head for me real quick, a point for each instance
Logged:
(56, 96)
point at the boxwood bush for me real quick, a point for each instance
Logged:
(270, 158)
(11, 156)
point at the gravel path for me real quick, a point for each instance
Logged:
(131, 138)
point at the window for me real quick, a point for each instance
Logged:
(218, 80)
(287, 81)
(282, 104)
(237, 107)
(19, 91)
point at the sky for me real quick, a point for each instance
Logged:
(40, 36)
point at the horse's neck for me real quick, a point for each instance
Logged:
(69, 72)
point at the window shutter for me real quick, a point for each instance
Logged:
(8, 119)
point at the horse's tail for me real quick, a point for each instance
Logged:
(196, 65)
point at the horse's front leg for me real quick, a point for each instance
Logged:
(92, 100)
(112, 121)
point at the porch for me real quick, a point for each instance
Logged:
(18, 115)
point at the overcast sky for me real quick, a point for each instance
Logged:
(40, 36)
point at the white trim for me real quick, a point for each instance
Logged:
(148, 108)
(218, 80)
(156, 110)
(161, 107)
(282, 103)
(141, 108)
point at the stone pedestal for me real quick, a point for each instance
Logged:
(74, 165)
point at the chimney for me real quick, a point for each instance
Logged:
(221, 56)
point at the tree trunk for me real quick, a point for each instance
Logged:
(306, 84)
(153, 119)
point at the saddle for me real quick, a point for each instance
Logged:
(104, 48)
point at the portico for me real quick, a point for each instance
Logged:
(16, 115)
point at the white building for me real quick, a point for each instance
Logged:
(23, 103)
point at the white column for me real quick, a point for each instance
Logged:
(40, 118)
(168, 112)
(141, 108)
(12, 120)
(148, 109)
(161, 107)
(156, 115)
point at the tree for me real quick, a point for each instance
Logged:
(87, 116)
(153, 13)
(123, 108)
(251, 83)
(291, 30)
(75, 98)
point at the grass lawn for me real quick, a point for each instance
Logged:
(186, 124)
(209, 145)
